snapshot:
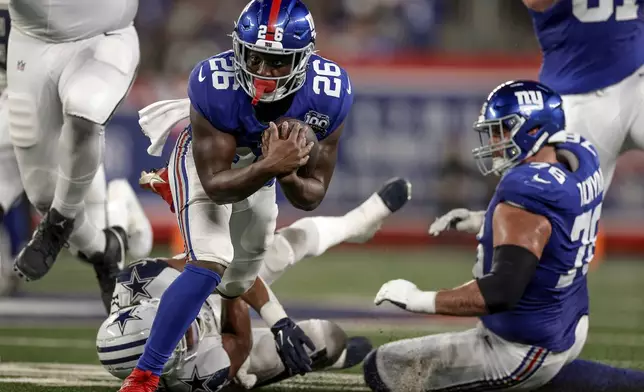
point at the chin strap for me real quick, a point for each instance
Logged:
(262, 87)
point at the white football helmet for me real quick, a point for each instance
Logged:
(122, 337)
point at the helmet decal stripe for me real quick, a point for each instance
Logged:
(272, 18)
(120, 347)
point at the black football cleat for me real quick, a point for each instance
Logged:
(38, 256)
(357, 349)
(108, 264)
(395, 193)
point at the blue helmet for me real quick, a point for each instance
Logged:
(517, 120)
(278, 27)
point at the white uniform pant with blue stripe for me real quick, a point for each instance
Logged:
(239, 232)
(473, 360)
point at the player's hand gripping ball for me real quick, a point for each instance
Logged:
(286, 126)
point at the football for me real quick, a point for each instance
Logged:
(306, 170)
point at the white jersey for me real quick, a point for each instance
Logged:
(71, 20)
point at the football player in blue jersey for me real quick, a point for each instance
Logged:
(535, 242)
(224, 194)
(593, 55)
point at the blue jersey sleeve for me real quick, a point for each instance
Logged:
(211, 89)
(345, 104)
(540, 190)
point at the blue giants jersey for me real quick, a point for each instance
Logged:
(590, 44)
(557, 296)
(323, 102)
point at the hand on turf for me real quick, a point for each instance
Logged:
(285, 155)
(244, 378)
(290, 341)
(460, 219)
(399, 292)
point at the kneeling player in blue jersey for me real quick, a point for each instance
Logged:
(535, 243)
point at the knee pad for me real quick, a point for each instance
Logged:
(239, 277)
(371, 375)
(24, 129)
(100, 84)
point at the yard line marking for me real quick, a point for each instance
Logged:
(21, 341)
(54, 374)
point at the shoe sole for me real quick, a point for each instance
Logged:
(21, 275)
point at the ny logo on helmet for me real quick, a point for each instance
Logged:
(530, 100)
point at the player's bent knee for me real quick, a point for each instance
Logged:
(240, 276)
(83, 126)
(370, 371)
(92, 107)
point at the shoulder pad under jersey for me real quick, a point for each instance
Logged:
(213, 91)
(328, 94)
(540, 188)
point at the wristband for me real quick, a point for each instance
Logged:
(272, 312)
(422, 302)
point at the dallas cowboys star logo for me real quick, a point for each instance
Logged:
(196, 382)
(137, 286)
(123, 318)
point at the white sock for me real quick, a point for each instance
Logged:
(117, 213)
(96, 200)
(86, 237)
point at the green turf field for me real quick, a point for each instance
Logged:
(61, 358)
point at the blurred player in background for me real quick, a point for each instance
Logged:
(535, 243)
(9, 174)
(70, 64)
(223, 193)
(593, 55)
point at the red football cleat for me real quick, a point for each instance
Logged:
(140, 381)
(157, 182)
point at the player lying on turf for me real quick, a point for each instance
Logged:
(535, 244)
(223, 192)
(122, 336)
(210, 354)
